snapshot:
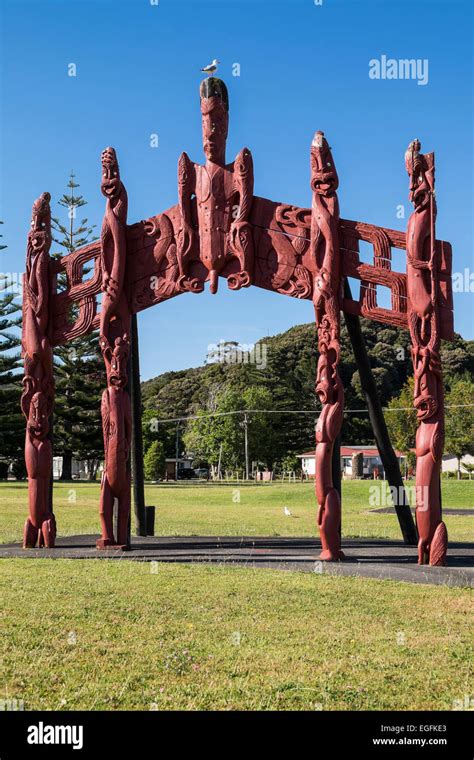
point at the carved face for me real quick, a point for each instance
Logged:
(110, 185)
(38, 422)
(415, 166)
(425, 402)
(215, 123)
(324, 379)
(40, 232)
(118, 363)
(324, 179)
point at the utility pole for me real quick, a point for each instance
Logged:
(219, 463)
(177, 452)
(246, 422)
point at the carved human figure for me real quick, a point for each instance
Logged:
(114, 344)
(326, 298)
(223, 194)
(113, 242)
(117, 431)
(424, 324)
(38, 382)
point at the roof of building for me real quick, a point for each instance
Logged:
(348, 451)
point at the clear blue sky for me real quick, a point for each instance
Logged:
(303, 67)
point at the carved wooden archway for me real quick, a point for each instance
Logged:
(220, 229)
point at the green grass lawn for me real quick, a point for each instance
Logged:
(118, 635)
(232, 510)
(115, 635)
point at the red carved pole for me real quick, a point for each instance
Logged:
(424, 324)
(327, 303)
(38, 382)
(114, 343)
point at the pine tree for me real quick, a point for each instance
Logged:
(70, 238)
(80, 376)
(12, 426)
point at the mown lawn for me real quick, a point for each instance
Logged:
(234, 510)
(125, 635)
(102, 634)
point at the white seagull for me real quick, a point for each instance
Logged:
(287, 511)
(211, 67)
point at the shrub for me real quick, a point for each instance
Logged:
(19, 469)
(154, 461)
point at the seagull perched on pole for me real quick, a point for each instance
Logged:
(211, 67)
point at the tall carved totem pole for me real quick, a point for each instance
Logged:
(220, 229)
(115, 323)
(425, 331)
(327, 294)
(38, 382)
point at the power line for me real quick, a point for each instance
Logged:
(294, 411)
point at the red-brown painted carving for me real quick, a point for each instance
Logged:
(326, 298)
(38, 382)
(215, 201)
(219, 228)
(424, 324)
(114, 344)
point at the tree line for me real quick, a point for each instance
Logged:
(217, 397)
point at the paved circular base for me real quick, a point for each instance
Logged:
(467, 512)
(371, 558)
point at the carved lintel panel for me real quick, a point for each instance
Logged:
(281, 263)
(75, 308)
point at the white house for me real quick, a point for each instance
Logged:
(372, 461)
(450, 462)
(370, 457)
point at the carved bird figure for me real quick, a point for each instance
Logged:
(211, 67)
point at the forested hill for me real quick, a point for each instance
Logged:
(282, 377)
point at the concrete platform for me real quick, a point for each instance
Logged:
(467, 512)
(370, 558)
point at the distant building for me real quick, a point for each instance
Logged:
(450, 463)
(80, 468)
(184, 463)
(371, 461)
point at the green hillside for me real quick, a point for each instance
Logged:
(282, 380)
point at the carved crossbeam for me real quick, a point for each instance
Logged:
(281, 237)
